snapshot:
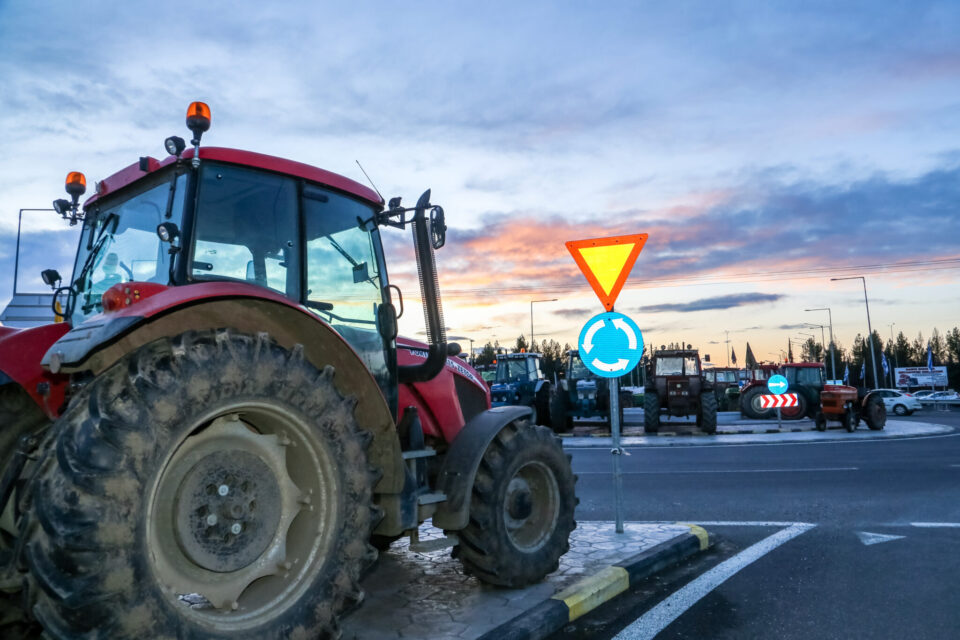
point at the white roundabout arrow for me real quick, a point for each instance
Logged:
(619, 365)
(631, 336)
(588, 339)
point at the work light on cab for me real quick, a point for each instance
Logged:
(76, 186)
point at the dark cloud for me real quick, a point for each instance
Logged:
(716, 302)
(573, 313)
(791, 327)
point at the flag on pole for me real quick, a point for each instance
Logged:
(929, 357)
(863, 372)
(846, 373)
(733, 356)
(883, 361)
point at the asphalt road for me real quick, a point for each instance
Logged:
(801, 538)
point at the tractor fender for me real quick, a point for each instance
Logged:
(20, 353)
(98, 343)
(462, 461)
(539, 386)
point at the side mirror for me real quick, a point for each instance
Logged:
(50, 277)
(438, 228)
(387, 321)
(706, 357)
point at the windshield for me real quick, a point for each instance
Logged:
(669, 366)
(578, 370)
(726, 376)
(120, 244)
(511, 369)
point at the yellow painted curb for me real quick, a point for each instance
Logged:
(589, 593)
(701, 534)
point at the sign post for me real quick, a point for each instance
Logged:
(610, 343)
(777, 384)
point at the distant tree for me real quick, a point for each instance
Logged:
(939, 348)
(554, 358)
(901, 351)
(812, 351)
(918, 351)
(521, 345)
(487, 355)
(953, 345)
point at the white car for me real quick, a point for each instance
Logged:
(949, 394)
(923, 394)
(900, 403)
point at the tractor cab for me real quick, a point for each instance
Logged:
(520, 381)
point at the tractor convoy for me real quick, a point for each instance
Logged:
(223, 422)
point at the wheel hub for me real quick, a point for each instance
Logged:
(227, 510)
(531, 506)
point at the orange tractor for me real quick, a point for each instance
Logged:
(848, 405)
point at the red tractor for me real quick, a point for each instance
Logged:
(806, 379)
(224, 420)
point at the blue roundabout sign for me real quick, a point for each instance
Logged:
(610, 344)
(777, 384)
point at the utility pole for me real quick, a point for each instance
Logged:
(892, 353)
(866, 302)
(728, 347)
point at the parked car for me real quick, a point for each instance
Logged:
(898, 402)
(925, 393)
(949, 394)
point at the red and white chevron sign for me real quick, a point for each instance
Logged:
(775, 402)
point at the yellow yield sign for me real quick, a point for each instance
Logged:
(606, 263)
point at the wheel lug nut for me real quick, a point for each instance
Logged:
(211, 520)
(236, 528)
(223, 490)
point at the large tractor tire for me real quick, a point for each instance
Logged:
(521, 512)
(707, 413)
(797, 412)
(651, 411)
(874, 413)
(750, 404)
(560, 420)
(212, 485)
(19, 416)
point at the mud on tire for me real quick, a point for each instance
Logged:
(94, 538)
(521, 510)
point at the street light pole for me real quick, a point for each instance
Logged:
(833, 352)
(892, 353)
(866, 302)
(16, 257)
(531, 317)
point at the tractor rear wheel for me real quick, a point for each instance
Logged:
(559, 420)
(651, 412)
(212, 485)
(750, 404)
(875, 413)
(19, 416)
(707, 413)
(521, 512)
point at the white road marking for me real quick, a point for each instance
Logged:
(936, 525)
(868, 538)
(659, 617)
(681, 472)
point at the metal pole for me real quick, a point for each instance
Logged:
(16, 258)
(616, 451)
(873, 352)
(531, 318)
(833, 352)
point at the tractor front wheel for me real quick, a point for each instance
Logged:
(707, 413)
(212, 485)
(651, 411)
(521, 512)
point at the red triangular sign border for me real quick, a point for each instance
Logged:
(607, 300)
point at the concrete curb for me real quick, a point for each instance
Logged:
(694, 432)
(589, 593)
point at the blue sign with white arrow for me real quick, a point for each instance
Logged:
(777, 384)
(610, 344)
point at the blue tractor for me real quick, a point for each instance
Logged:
(583, 394)
(520, 381)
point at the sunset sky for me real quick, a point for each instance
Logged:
(764, 147)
